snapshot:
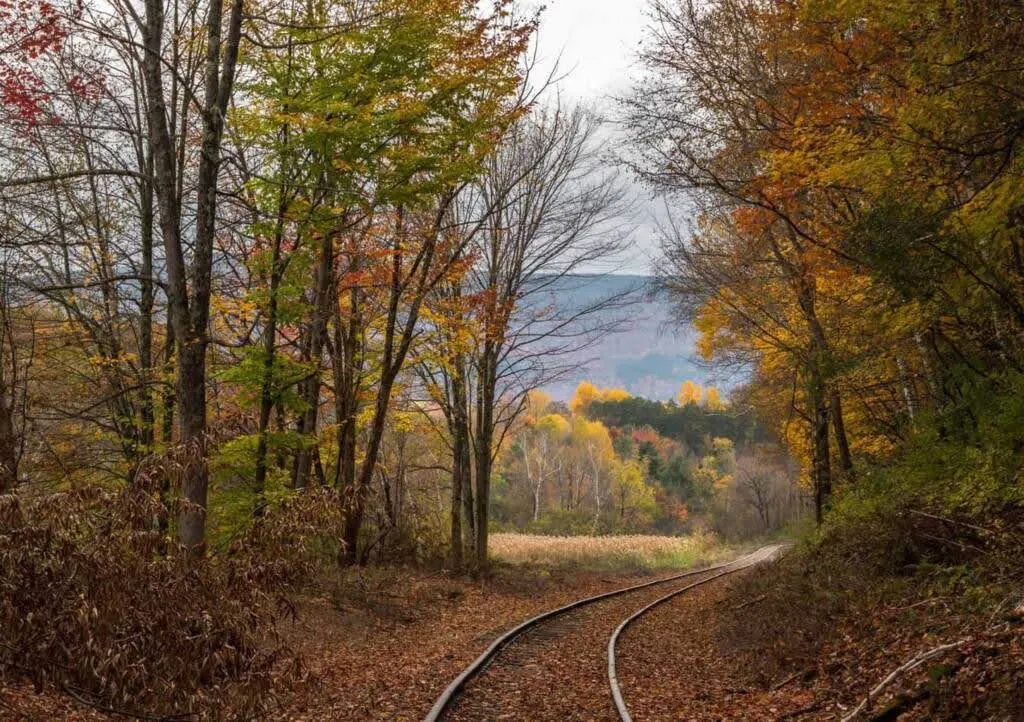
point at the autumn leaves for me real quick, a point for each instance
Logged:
(856, 172)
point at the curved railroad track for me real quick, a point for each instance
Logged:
(554, 666)
(761, 555)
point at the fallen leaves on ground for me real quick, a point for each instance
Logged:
(703, 656)
(671, 667)
(385, 645)
(557, 670)
(391, 661)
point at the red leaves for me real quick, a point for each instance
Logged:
(22, 92)
(31, 30)
(89, 88)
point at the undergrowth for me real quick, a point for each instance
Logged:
(921, 549)
(98, 601)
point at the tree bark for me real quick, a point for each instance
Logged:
(192, 421)
(8, 448)
(146, 301)
(839, 429)
(346, 365)
(169, 395)
(190, 315)
(460, 458)
(818, 366)
(311, 387)
(408, 292)
(908, 393)
(9, 441)
(487, 373)
(821, 465)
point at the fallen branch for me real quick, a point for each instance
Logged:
(960, 545)
(905, 667)
(755, 600)
(954, 522)
(779, 685)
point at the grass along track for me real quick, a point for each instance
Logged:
(553, 666)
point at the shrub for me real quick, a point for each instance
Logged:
(97, 600)
(953, 494)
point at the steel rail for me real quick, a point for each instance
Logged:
(759, 556)
(480, 663)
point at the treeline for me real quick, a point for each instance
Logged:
(692, 424)
(600, 465)
(857, 172)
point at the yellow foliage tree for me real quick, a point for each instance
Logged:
(614, 394)
(537, 402)
(592, 435)
(634, 499)
(586, 392)
(690, 393)
(554, 425)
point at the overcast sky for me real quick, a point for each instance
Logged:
(597, 41)
(595, 44)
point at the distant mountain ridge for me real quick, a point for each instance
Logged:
(650, 356)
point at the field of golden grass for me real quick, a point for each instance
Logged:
(612, 552)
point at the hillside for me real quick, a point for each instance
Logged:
(648, 354)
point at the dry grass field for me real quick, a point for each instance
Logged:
(634, 551)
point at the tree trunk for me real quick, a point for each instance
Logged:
(456, 508)
(460, 458)
(346, 367)
(8, 436)
(311, 386)
(280, 458)
(146, 410)
(191, 315)
(356, 508)
(484, 441)
(169, 393)
(192, 423)
(839, 429)
(818, 365)
(398, 337)
(934, 398)
(468, 497)
(822, 472)
(908, 393)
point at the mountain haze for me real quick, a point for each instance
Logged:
(648, 354)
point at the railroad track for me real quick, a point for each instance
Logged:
(558, 665)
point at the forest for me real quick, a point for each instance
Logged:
(608, 462)
(282, 285)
